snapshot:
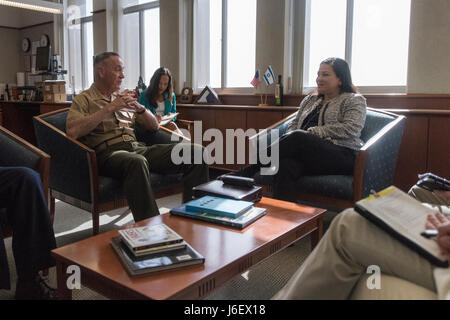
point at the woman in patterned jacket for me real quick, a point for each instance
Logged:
(325, 135)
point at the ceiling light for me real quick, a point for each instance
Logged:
(37, 5)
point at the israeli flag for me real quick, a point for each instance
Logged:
(269, 78)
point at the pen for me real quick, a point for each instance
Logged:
(429, 233)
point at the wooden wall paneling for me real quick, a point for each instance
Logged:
(409, 101)
(287, 113)
(262, 119)
(230, 119)
(412, 158)
(439, 146)
(203, 114)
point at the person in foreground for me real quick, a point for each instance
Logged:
(26, 212)
(159, 97)
(105, 119)
(351, 245)
(325, 135)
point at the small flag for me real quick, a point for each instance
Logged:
(256, 80)
(268, 76)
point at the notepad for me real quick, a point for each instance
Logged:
(404, 218)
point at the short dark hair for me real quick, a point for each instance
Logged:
(103, 56)
(342, 71)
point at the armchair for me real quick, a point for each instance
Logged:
(18, 152)
(75, 179)
(374, 165)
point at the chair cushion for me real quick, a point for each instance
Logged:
(335, 186)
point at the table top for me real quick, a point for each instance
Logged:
(221, 246)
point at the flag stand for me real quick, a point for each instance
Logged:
(263, 104)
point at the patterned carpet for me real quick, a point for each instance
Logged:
(261, 281)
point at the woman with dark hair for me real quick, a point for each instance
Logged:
(159, 97)
(325, 135)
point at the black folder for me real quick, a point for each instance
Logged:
(219, 189)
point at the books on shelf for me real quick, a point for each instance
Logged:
(219, 206)
(248, 217)
(404, 218)
(143, 238)
(155, 262)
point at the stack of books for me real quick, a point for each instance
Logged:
(153, 248)
(233, 213)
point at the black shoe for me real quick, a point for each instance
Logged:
(36, 289)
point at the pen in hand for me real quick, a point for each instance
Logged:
(429, 233)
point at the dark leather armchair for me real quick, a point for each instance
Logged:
(374, 166)
(75, 179)
(16, 152)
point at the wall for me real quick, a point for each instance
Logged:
(169, 50)
(34, 34)
(9, 57)
(269, 38)
(429, 51)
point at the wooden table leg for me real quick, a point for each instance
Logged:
(318, 233)
(63, 292)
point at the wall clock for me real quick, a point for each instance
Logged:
(26, 44)
(45, 40)
(186, 95)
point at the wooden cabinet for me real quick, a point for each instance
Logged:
(18, 116)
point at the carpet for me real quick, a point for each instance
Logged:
(260, 282)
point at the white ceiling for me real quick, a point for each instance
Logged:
(20, 18)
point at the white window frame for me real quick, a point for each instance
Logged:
(348, 52)
(84, 60)
(223, 89)
(141, 8)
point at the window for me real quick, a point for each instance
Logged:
(139, 43)
(372, 35)
(224, 43)
(81, 44)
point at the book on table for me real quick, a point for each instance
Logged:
(247, 218)
(404, 218)
(155, 262)
(218, 188)
(219, 206)
(151, 236)
(163, 248)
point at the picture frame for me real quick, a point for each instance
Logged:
(208, 96)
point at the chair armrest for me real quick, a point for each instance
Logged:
(73, 163)
(19, 153)
(376, 161)
(264, 137)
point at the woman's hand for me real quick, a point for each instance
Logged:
(159, 118)
(441, 223)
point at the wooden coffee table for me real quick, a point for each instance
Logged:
(228, 252)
